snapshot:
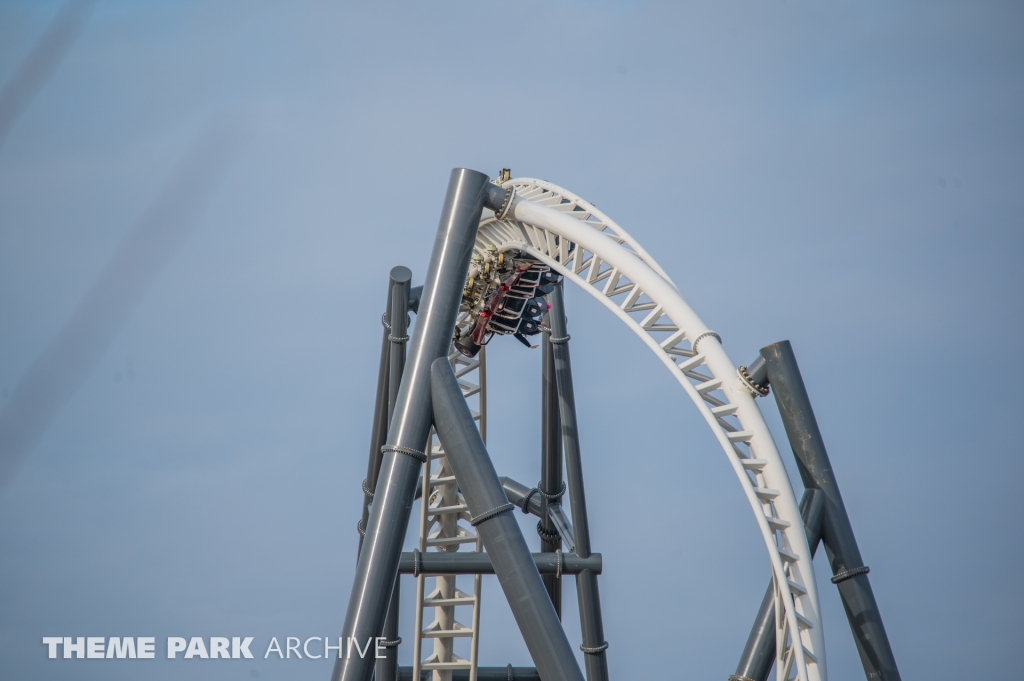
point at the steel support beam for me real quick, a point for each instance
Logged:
(591, 624)
(403, 457)
(492, 516)
(379, 430)
(398, 336)
(518, 493)
(387, 667)
(432, 564)
(783, 375)
(550, 468)
(759, 653)
(508, 673)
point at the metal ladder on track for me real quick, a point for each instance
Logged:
(444, 526)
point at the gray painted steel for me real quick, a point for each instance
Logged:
(379, 430)
(495, 196)
(517, 491)
(550, 466)
(482, 674)
(513, 564)
(587, 592)
(377, 569)
(837, 533)
(387, 668)
(564, 526)
(414, 298)
(398, 335)
(480, 563)
(759, 653)
(758, 371)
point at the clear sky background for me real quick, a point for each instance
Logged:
(845, 175)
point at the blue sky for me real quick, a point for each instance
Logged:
(847, 176)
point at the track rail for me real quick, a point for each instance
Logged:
(589, 249)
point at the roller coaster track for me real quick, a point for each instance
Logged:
(589, 249)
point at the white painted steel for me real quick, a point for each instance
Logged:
(546, 194)
(444, 518)
(589, 249)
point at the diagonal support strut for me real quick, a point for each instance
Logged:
(492, 516)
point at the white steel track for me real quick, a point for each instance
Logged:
(585, 246)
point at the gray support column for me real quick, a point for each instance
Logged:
(550, 468)
(492, 516)
(399, 333)
(380, 420)
(587, 592)
(759, 653)
(403, 457)
(837, 532)
(387, 668)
